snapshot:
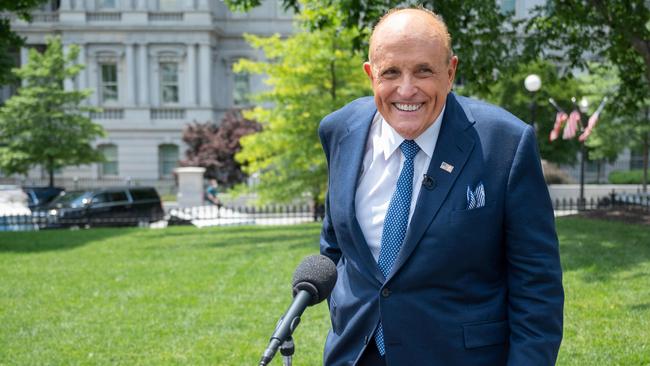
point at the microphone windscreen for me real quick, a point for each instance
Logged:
(316, 274)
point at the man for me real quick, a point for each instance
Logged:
(211, 193)
(438, 218)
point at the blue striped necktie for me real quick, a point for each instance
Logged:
(396, 221)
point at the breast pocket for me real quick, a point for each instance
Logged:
(476, 214)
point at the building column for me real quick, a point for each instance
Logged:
(143, 75)
(82, 77)
(79, 5)
(191, 74)
(65, 5)
(130, 75)
(205, 73)
(189, 5)
(142, 4)
(203, 5)
(68, 83)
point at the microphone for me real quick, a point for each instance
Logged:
(312, 283)
(428, 182)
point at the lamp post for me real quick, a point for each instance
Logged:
(582, 105)
(533, 83)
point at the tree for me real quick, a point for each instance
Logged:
(214, 147)
(509, 92)
(483, 37)
(615, 32)
(44, 124)
(310, 74)
(9, 40)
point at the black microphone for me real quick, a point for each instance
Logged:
(312, 283)
(428, 182)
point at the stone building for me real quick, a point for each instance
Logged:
(154, 66)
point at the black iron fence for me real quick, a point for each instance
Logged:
(613, 200)
(202, 216)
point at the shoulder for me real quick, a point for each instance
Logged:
(489, 119)
(351, 112)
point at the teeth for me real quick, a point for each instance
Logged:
(408, 107)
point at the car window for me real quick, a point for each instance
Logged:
(118, 196)
(144, 194)
(101, 198)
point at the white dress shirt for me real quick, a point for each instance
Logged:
(382, 163)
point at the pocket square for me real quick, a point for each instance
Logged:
(475, 197)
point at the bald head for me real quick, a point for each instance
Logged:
(409, 23)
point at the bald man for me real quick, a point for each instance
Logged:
(437, 217)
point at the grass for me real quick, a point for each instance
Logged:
(186, 296)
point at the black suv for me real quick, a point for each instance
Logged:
(117, 206)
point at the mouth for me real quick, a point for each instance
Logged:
(408, 107)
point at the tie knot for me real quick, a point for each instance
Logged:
(409, 148)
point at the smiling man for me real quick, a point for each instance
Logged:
(437, 216)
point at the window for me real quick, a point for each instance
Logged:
(636, 159)
(109, 166)
(167, 159)
(241, 89)
(107, 4)
(168, 4)
(108, 83)
(507, 6)
(169, 82)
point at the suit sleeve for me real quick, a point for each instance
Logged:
(328, 244)
(535, 294)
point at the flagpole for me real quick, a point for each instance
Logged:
(584, 104)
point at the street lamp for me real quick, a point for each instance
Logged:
(583, 105)
(533, 83)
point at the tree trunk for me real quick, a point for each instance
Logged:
(50, 170)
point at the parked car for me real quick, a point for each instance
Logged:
(38, 197)
(116, 206)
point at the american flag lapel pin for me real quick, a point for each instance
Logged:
(446, 167)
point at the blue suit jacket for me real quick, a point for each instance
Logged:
(469, 287)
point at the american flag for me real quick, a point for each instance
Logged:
(560, 117)
(571, 126)
(592, 121)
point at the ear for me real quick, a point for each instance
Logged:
(368, 69)
(451, 71)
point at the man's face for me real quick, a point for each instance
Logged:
(411, 75)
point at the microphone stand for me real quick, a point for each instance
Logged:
(287, 349)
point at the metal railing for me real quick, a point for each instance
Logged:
(202, 216)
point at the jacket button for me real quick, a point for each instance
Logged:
(385, 292)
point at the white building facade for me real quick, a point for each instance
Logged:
(153, 66)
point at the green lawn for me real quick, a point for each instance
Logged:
(186, 296)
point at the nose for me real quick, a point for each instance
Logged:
(407, 87)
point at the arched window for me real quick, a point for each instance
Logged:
(167, 160)
(109, 166)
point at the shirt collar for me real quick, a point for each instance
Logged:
(390, 139)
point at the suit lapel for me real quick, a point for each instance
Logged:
(347, 167)
(453, 147)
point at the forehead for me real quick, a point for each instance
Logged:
(408, 51)
(408, 31)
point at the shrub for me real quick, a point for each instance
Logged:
(626, 176)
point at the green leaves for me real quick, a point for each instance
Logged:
(44, 124)
(310, 74)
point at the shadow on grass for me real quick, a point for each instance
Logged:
(291, 236)
(50, 240)
(600, 249)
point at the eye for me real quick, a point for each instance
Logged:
(390, 73)
(424, 71)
